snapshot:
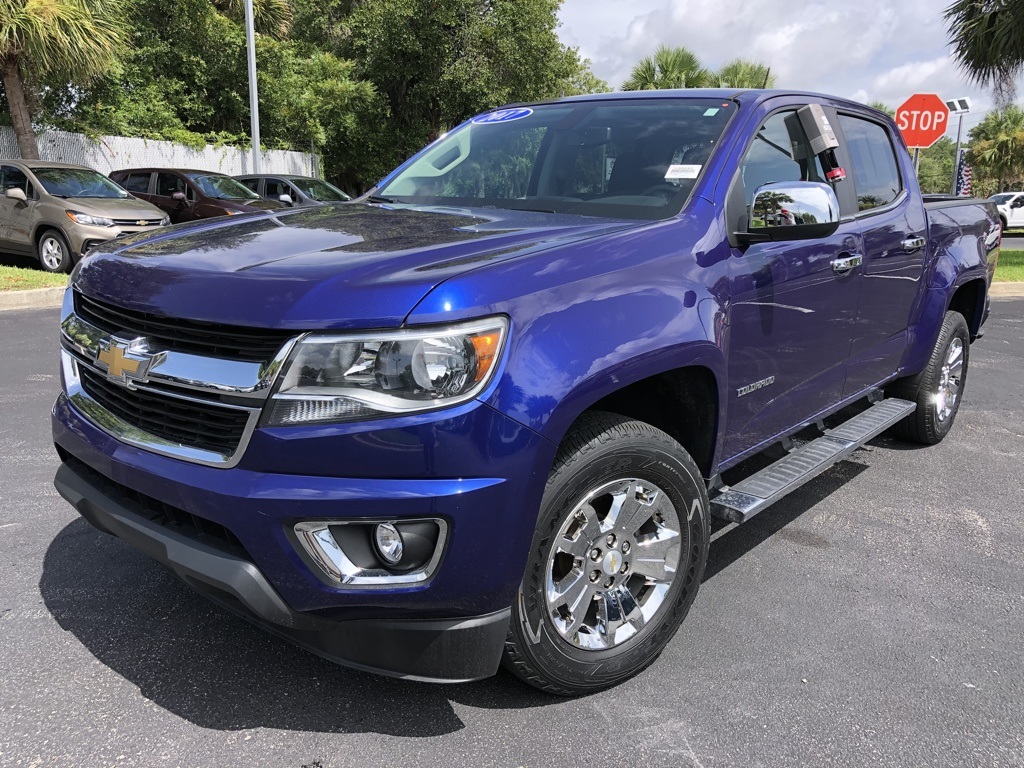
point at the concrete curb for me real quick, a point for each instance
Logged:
(1006, 290)
(36, 298)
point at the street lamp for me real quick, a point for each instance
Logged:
(254, 107)
(956, 107)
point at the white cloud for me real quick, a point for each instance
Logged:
(870, 50)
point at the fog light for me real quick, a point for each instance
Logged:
(389, 543)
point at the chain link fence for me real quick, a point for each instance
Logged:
(112, 153)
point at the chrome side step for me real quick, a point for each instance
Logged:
(742, 501)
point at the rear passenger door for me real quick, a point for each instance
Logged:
(138, 185)
(894, 230)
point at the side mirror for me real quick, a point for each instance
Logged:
(792, 210)
(286, 198)
(179, 196)
(16, 193)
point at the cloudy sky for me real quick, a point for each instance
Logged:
(869, 50)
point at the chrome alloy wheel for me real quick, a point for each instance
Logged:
(950, 376)
(612, 563)
(52, 253)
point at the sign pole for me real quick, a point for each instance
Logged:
(917, 161)
(254, 106)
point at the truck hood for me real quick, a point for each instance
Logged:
(330, 267)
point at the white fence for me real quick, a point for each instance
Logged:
(111, 153)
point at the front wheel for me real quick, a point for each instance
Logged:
(54, 252)
(620, 548)
(937, 390)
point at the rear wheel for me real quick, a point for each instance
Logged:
(937, 390)
(620, 548)
(54, 252)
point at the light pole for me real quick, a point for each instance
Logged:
(957, 107)
(254, 107)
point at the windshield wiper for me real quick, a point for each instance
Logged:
(380, 199)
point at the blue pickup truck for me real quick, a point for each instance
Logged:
(485, 414)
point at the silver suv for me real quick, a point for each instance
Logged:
(59, 211)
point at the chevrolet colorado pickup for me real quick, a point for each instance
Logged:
(486, 413)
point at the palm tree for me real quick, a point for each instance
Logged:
(741, 73)
(668, 68)
(76, 40)
(270, 17)
(988, 43)
(997, 146)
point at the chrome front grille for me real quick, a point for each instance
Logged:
(143, 386)
(209, 426)
(137, 222)
(229, 342)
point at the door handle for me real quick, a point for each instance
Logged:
(845, 264)
(912, 244)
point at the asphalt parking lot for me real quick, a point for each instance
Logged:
(875, 617)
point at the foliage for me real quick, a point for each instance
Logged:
(681, 68)
(988, 43)
(436, 63)
(996, 150)
(65, 41)
(362, 83)
(881, 106)
(935, 171)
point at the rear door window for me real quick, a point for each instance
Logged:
(136, 182)
(873, 159)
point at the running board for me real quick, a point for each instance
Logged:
(742, 501)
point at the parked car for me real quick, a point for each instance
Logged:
(59, 211)
(189, 195)
(1011, 209)
(486, 414)
(298, 191)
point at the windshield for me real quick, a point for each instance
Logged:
(633, 158)
(222, 187)
(77, 182)
(320, 191)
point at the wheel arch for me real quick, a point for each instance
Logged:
(969, 300)
(683, 399)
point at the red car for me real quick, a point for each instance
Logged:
(188, 195)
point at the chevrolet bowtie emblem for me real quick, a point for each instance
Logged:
(142, 222)
(124, 361)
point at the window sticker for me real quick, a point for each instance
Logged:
(503, 116)
(683, 172)
(711, 112)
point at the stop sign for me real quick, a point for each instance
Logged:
(922, 119)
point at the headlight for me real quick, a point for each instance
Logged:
(85, 218)
(351, 377)
(165, 221)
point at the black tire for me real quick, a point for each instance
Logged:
(932, 420)
(54, 252)
(602, 448)
(1002, 223)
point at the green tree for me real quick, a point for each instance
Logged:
(741, 73)
(935, 174)
(881, 106)
(996, 148)
(436, 63)
(669, 68)
(46, 41)
(988, 43)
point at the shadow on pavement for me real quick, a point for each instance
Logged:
(217, 671)
(735, 543)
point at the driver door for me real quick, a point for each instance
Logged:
(1016, 212)
(791, 316)
(167, 186)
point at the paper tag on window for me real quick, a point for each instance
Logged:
(682, 172)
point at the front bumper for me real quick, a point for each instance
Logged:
(472, 467)
(83, 237)
(453, 650)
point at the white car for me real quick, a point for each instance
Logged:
(1011, 208)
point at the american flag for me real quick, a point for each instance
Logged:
(963, 176)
